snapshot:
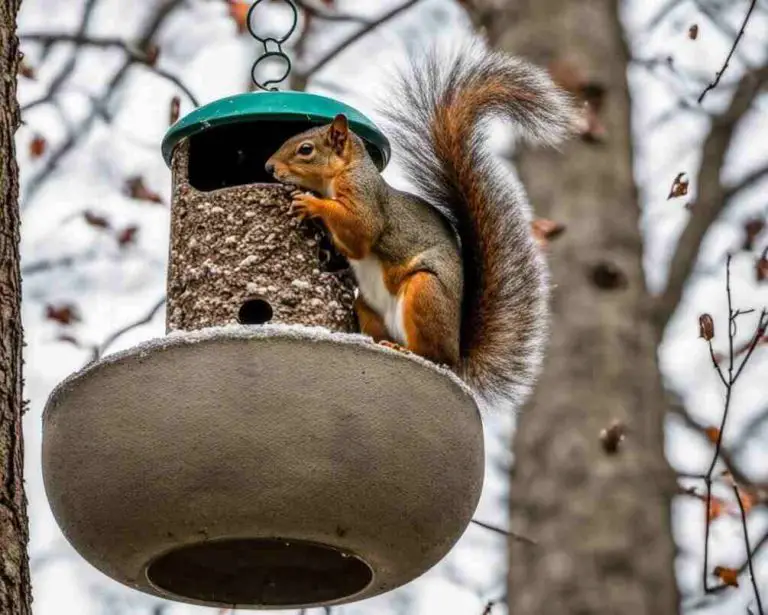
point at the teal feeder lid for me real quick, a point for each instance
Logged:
(290, 108)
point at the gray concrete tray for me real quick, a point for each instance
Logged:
(262, 467)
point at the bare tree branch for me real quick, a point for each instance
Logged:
(77, 38)
(136, 53)
(747, 182)
(81, 130)
(721, 72)
(98, 351)
(58, 81)
(491, 604)
(729, 384)
(711, 195)
(305, 76)
(749, 550)
(319, 13)
(47, 264)
(503, 532)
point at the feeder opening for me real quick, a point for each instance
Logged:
(255, 311)
(235, 154)
(266, 572)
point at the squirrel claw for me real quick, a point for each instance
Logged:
(394, 346)
(299, 213)
(299, 206)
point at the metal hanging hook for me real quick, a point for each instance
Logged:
(276, 52)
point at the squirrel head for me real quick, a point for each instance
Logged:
(313, 159)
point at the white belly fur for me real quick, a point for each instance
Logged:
(370, 279)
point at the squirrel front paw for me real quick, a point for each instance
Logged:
(302, 205)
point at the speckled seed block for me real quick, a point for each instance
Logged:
(237, 255)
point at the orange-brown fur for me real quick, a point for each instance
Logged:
(427, 323)
(470, 292)
(352, 223)
(370, 322)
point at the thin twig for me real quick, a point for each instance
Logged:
(317, 12)
(705, 571)
(133, 51)
(710, 195)
(748, 181)
(729, 384)
(721, 72)
(77, 38)
(503, 532)
(98, 351)
(58, 80)
(356, 37)
(46, 264)
(759, 333)
(74, 137)
(749, 550)
(715, 364)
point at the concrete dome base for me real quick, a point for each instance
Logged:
(262, 467)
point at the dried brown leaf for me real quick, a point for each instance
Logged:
(717, 507)
(151, 54)
(25, 70)
(238, 11)
(729, 576)
(545, 230)
(706, 327)
(679, 186)
(127, 236)
(96, 220)
(761, 269)
(175, 109)
(752, 229)
(37, 146)
(137, 189)
(713, 434)
(64, 314)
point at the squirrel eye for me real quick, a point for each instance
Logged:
(305, 149)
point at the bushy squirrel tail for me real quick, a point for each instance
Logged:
(436, 119)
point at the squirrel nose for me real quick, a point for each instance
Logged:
(269, 167)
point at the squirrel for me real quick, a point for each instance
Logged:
(455, 274)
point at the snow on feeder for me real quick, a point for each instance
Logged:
(262, 454)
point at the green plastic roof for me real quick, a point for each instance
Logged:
(276, 106)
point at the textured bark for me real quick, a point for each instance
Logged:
(15, 596)
(237, 244)
(602, 520)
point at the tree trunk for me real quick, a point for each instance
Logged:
(602, 520)
(15, 595)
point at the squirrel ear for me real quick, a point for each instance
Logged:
(338, 133)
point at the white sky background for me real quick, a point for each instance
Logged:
(116, 286)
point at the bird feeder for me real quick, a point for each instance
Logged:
(262, 454)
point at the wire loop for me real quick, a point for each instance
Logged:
(276, 52)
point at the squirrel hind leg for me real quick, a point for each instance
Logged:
(370, 322)
(431, 319)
